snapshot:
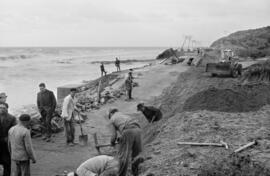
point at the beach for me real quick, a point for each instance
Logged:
(56, 157)
(22, 69)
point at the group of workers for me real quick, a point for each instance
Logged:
(16, 145)
(117, 65)
(129, 141)
(16, 149)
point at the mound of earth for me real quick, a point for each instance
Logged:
(248, 43)
(239, 99)
(259, 72)
(169, 53)
(166, 157)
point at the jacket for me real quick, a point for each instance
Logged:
(120, 122)
(128, 84)
(20, 144)
(97, 165)
(46, 100)
(151, 112)
(68, 107)
(6, 122)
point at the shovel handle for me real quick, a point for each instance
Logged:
(80, 123)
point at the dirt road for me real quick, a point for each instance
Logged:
(53, 158)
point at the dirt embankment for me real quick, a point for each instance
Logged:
(220, 109)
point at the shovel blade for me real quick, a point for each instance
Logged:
(83, 140)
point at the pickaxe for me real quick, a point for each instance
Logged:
(221, 144)
(246, 146)
(98, 146)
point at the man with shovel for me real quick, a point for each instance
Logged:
(130, 143)
(69, 106)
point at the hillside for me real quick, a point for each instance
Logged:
(199, 108)
(248, 43)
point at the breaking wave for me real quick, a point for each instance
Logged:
(123, 61)
(14, 57)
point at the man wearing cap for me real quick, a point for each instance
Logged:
(6, 122)
(102, 165)
(20, 147)
(151, 113)
(128, 85)
(117, 64)
(69, 106)
(102, 69)
(130, 143)
(46, 104)
(3, 97)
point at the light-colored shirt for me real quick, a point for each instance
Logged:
(20, 143)
(120, 120)
(68, 107)
(97, 165)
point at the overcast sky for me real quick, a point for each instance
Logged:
(125, 22)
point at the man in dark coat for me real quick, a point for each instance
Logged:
(117, 64)
(129, 86)
(102, 69)
(46, 104)
(151, 113)
(6, 122)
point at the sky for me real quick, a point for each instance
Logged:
(126, 22)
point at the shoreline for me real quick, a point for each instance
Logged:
(82, 86)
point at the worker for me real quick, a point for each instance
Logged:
(117, 64)
(151, 113)
(46, 103)
(6, 122)
(68, 109)
(129, 86)
(3, 97)
(101, 165)
(102, 69)
(130, 143)
(20, 147)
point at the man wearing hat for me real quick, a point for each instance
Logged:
(6, 122)
(130, 143)
(102, 165)
(69, 106)
(46, 104)
(20, 146)
(151, 113)
(3, 97)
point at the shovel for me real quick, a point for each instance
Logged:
(83, 138)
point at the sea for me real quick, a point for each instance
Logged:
(23, 68)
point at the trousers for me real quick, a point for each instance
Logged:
(20, 168)
(130, 147)
(46, 118)
(69, 130)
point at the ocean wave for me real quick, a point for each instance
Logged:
(13, 57)
(123, 61)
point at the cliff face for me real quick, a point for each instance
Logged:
(248, 43)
